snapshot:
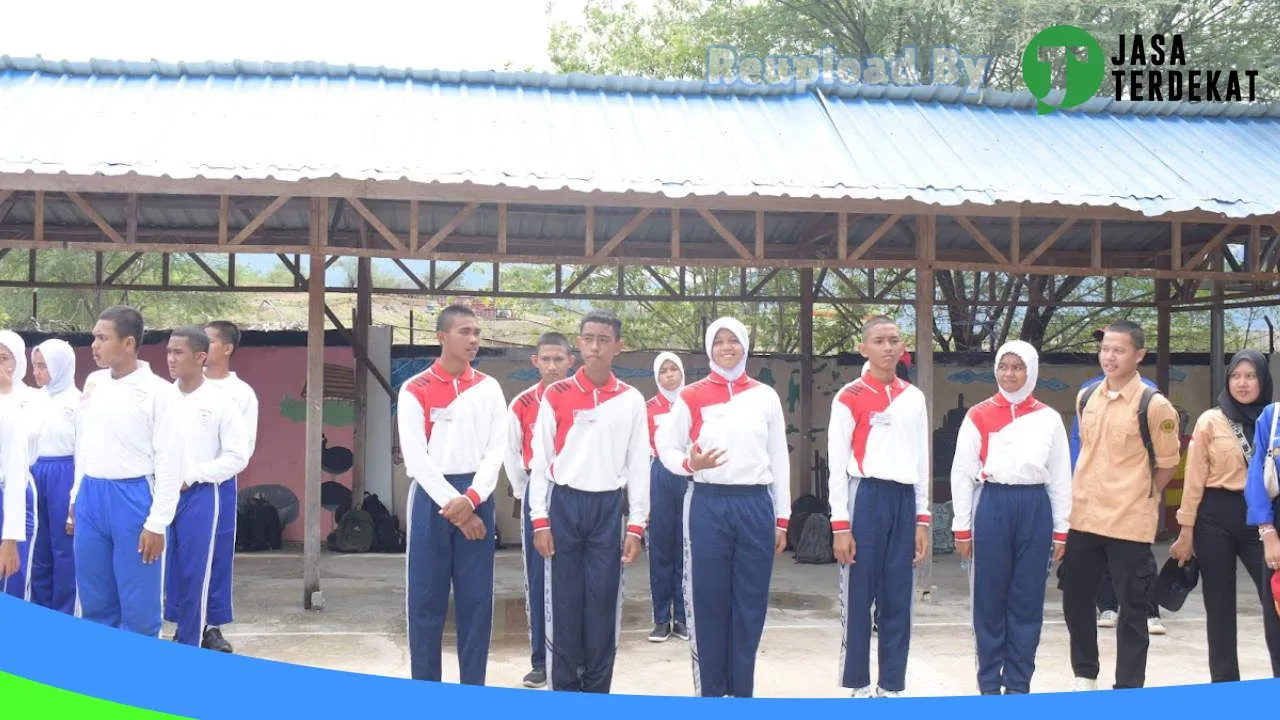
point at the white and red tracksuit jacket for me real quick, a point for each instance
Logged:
(659, 410)
(593, 439)
(1023, 444)
(521, 415)
(744, 418)
(878, 431)
(452, 426)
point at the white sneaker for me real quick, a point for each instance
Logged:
(1107, 619)
(880, 692)
(1155, 627)
(864, 692)
(1085, 684)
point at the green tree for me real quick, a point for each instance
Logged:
(671, 40)
(76, 309)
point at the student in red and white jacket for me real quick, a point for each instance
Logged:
(728, 432)
(589, 448)
(878, 450)
(1011, 491)
(453, 433)
(553, 358)
(666, 511)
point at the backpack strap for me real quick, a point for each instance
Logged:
(1144, 427)
(1084, 398)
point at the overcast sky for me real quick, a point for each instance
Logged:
(446, 34)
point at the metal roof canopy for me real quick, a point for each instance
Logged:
(593, 171)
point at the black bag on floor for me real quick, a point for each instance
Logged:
(258, 527)
(815, 541)
(386, 532)
(801, 509)
(355, 534)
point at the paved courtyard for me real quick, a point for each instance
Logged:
(362, 629)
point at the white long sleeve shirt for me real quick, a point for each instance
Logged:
(29, 405)
(246, 400)
(878, 431)
(452, 426)
(15, 462)
(215, 442)
(1023, 444)
(128, 429)
(521, 415)
(57, 437)
(744, 419)
(594, 439)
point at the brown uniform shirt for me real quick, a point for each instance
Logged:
(1214, 460)
(1113, 491)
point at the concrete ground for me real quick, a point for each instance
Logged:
(362, 629)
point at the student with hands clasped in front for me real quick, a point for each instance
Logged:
(878, 450)
(452, 421)
(728, 432)
(1011, 491)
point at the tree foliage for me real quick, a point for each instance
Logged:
(670, 41)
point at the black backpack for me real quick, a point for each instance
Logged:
(1144, 426)
(258, 526)
(815, 541)
(387, 537)
(801, 509)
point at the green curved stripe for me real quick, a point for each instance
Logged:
(28, 699)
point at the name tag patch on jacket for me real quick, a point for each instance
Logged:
(881, 419)
(441, 414)
(584, 416)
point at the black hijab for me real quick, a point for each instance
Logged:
(1247, 415)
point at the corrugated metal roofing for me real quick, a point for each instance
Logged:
(296, 121)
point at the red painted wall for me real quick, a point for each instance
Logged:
(277, 375)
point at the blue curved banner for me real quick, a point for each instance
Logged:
(55, 651)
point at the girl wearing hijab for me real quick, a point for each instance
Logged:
(666, 511)
(53, 571)
(1212, 514)
(17, 510)
(1011, 490)
(727, 432)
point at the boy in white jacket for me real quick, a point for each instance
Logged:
(877, 447)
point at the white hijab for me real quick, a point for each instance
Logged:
(61, 360)
(18, 348)
(670, 395)
(739, 331)
(1030, 358)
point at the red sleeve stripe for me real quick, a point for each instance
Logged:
(635, 530)
(924, 519)
(1060, 537)
(472, 497)
(840, 526)
(964, 535)
(782, 523)
(541, 524)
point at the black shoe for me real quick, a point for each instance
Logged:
(536, 678)
(988, 692)
(679, 630)
(1008, 691)
(661, 632)
(213, 640)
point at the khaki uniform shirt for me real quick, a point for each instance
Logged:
(1113, 491)
(1214, 460)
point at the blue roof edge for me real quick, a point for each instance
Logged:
(929, 94)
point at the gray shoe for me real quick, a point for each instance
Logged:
(536, 678)
(661, 632)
